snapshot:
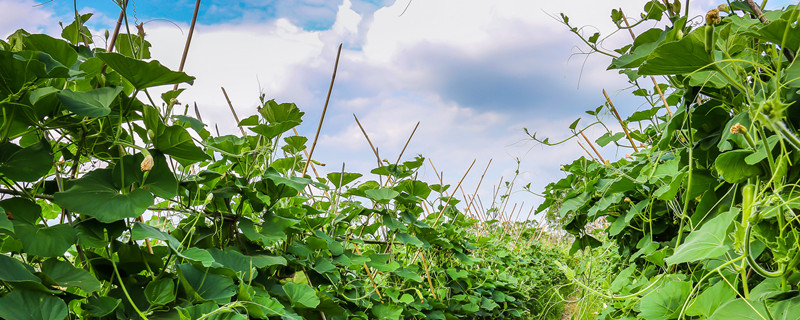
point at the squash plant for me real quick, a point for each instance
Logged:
(115, 206)
(705, 213)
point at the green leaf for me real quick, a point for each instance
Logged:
(94, 194)
(140, 49)
(13, 270)
(678, 57)
(380, 261)
(160, 292)
(740, 309)
(710, 241)
(143, 74)
(244, 266)
(733, 167)
(338, 179)
(22, 210)
(409, 239)
(27, 164)
(197, 254)
(177, 142)
(301, 295)
(101, 306)
(142, 231)
(46, 241)
(711, 299)
(75, 36)
(382, 195)
(666, 301)
(59, 50)
(160, 180)
(32, 305)
(5, 224)
(387, 311)
(66, 275)
(94, 103)
(206, 285)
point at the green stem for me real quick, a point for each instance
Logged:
(124, 290)
(752, 262)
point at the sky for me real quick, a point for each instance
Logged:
(473, 73)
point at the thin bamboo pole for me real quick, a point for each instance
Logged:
(324, 110)
(235, 117)
(189, 41)
(624, 127)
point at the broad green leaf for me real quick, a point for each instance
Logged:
(380, 262)
(741, 309)
(274, 112)
(140, 49)
(76, 35)
(160, 180)
(59, 50)
(206, 285)
(13, 270)
(733, 168)
(143, 74)
(66, 275)
(160, 292)
(22, 210)
(94, 194)
(32, 305)
(197, 254)
(678, 57)
(209, 311)
(301, 295)
(387, 311)
(101, 306)
(177, 142)
(5, 224)
(666, 301)
(382, 195)
(408, 239)
(338, 179)
(142, 231)
(46, 241)
(95, 103)
(711, 299)
(710, 241)
(27, 164)
(244, 266)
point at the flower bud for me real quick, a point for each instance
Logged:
(147, 163)
(712, 17)
(738, 128)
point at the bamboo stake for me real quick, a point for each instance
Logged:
(324, 109)
(406, 145)
(123, 8)
(427, 274)
(478, 187)
(197, 112)
(523, 229)
(624, 127)
(593, 148)
(655, 83)
(189, 41)
(587, 151)
(375, 151)
(369, 273)
(451, 196)
(235, 117)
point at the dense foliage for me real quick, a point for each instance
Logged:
(114, 206)
(704, 214)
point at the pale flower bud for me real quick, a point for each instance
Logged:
(147, 163)
(738, 128)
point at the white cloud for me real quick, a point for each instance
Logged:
(24, 14)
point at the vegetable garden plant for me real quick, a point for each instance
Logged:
(704, 211)
(116, 206)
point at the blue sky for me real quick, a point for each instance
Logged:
(473, 72)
